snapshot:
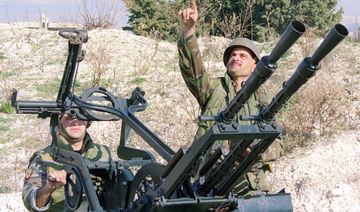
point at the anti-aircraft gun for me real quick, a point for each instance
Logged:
(169, 187)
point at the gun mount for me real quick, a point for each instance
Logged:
(168, 187)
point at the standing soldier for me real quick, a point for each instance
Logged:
(213, 95)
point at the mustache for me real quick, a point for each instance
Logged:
(234, 62)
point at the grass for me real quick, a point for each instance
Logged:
(171, 42)
(2, 55)
(5, 189)
(4, 128)
(285, 55)
(4, 140)
(7, 74)
(6, 179)
(31, 116)
(5, 120)
(29, 143)
(50, 86)
(139, 80)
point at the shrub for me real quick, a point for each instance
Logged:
(101, 13)
(316, 110)
(100, 59)
(7, 108)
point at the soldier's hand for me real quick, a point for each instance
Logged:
(223, 207)
(56, 179)
(246, 152)
(189, 17)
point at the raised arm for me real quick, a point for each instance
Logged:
(189, 18)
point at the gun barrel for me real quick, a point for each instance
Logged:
(264, 69)
(42, 108)
(333, 38)
(293, 31)
(305, 71)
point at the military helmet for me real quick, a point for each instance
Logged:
(238, 42)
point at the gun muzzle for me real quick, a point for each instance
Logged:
(332, 39)
(305, 71)
(292, 33)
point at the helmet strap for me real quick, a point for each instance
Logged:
(238, 72)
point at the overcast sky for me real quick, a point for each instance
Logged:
(55, 10)
(351, 14)
(65, 10)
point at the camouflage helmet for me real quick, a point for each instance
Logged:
(241, 42)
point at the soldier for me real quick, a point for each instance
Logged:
(213, 95)
(39, 193)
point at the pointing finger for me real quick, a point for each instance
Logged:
(193, 5)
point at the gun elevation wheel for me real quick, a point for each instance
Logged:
(148, 176)
(100, 96)
(73, 190)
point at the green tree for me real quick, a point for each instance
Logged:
(152, 17)
(320, 14)
(256, 19)
(272, 17)
(161, 16)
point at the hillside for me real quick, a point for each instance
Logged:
(322, 176)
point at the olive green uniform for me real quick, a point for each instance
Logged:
(41, 163)
(213, 95)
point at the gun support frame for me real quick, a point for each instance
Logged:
(172, 188)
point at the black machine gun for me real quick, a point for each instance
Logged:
(169, 187)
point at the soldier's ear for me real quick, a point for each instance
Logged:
(58, 128)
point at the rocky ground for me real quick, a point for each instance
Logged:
(323, 176)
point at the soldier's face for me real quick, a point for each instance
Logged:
(239, 61)
(73, 127)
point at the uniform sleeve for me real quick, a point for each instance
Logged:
(274, 152)
(192, 69)
(276, 149)
(35, 177)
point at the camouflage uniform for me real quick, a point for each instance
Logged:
(213, 95)
(41, 163)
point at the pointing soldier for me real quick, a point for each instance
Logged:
(213, 95)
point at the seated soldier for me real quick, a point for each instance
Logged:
(40, 193)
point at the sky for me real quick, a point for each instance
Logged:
(67, 10)
(55, 10)
(351, 16)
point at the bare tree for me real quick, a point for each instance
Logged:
(101, 13)
(238, 24)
